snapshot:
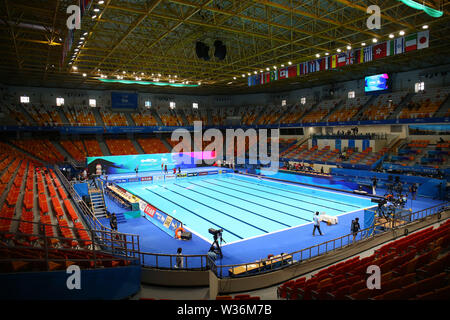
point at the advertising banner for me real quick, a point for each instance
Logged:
(147, 162)
(162, 220)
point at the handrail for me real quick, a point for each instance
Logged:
(118, 245)
(157, 257)
(315, 251)
(88, 214)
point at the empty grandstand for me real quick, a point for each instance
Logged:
(224, 150)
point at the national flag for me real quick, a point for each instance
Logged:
(283, 73)
(327, 63)
(349, 57)
(265, 77)
(292, 71)
(399, 45)
(249, 79)
(423, 39)
(411, 42)
(341, 60)
(273, 75)
(323, 64)
(258, 78)
(333, 61)
(359, 56)
(317, 65)
(379, 51)
(305, 67)
(368, 54)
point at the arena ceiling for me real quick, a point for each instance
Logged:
(135, 38)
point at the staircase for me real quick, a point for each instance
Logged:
(98, 117)
(443, 109)
(157, 117)
(358, 115)
(400, 106)
(103, 147)
(97, 201)
(340, 104)
(129, 119)
(183, 117)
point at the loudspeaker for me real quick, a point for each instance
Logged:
(186, 236)
(221, 50)
(202, 50)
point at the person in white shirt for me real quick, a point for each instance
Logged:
(317, 224)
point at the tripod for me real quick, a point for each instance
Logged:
(216, 244)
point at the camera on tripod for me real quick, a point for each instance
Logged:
(215, 233)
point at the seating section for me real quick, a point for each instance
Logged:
(422, 152)
(152, 145)
(113, 118)
(413, 267)
(18, 116)
(195, 115)
(317, 114)
(45, 116)
(144, 118)
(169, 118)
(424, 104)
(41, 148)
(75, 149)
(120, 146)
(383, 106)
(80, 116)
(92, 147)
(349, 110)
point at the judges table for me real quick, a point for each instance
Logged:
(262, 265)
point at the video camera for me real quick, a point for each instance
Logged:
(215, 232)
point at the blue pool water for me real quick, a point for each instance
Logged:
(244, 207)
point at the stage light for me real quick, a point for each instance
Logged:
(391, 36)
(425, 27)
(349, 47)
(289, 63)
(374, 40)
(402, 33)
(363, 44)
(338, 50)
(317, 55)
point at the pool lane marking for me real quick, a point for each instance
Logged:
(231, 204)
(220, 227)
(214, 209)
(246, 200)
(279, 195)
(296, 185)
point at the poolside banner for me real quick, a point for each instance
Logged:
(147, 162)
(162, 220)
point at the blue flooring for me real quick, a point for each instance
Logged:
(203, 191)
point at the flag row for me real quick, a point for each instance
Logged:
(391, 47)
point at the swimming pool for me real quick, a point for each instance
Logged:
(244, 207)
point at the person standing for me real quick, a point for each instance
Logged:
(413, 190)
(162, 166)
(317, 224)
(179, 264)
(355, 228)
(113, 221)
(165, 168)
(374, 185)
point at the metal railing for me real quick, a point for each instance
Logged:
(169, 261)
(258, 267)
(102, 246)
